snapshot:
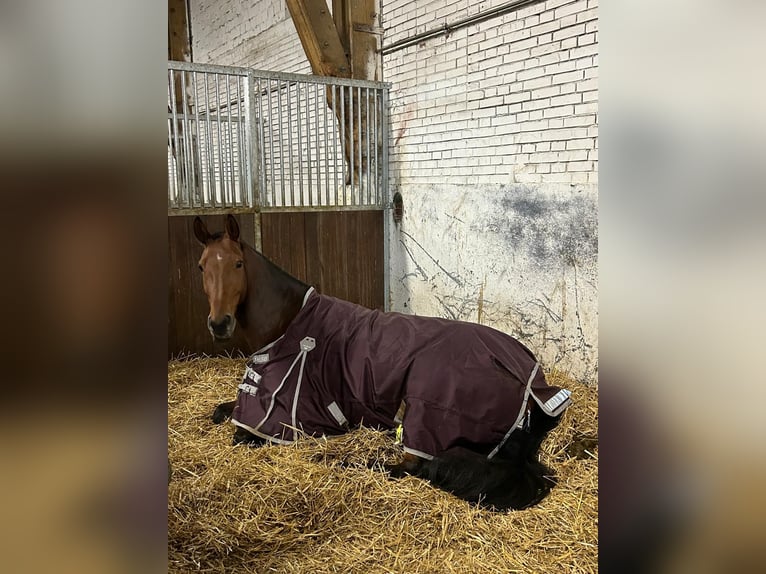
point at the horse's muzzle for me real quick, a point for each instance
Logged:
(223, 329)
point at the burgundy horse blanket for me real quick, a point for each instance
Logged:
(340, 365)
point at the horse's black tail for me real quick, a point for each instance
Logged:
(514, 479)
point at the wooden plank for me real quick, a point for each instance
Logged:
(332, 254)
(313, 255)
(319, 38)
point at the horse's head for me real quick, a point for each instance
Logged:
(223, 275)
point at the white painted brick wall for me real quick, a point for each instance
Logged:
(258, 34)
(527, 77)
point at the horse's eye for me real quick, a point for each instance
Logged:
(200, 267)
(239, 264)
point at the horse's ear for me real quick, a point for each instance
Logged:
(232, 227)
(200, 231)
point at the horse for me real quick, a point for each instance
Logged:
(476, 405)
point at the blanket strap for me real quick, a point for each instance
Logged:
(522, 413)
(307, 344)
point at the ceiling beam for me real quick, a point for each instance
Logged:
(319, 37)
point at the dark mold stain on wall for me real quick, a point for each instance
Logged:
(561, 228)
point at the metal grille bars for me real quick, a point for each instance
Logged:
(240, 139)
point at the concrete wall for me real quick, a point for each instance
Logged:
(494, 150)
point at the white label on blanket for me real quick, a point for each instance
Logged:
(251, 375)
(249, 389)
(556, 400)
(337, 413)
(308, 343)
(264, 358)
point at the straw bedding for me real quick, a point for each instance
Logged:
(315, 506)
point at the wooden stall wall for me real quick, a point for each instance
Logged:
(339, 253)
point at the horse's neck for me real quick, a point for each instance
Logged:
(273, 300)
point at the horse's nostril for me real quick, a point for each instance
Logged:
(220, 326)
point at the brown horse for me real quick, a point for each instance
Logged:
(477, 404)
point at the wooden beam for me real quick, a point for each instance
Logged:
(319, 37)
(341, 15)
(179, 47)
(365, 34)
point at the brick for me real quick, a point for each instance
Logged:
(535, 104)
(567, 99)
(585, 143)
(580, 166)
(545, 49)
(591, 96)
(537, 82)
(550, 4)
(533, 125)
(569, 31)
(545, 28)
(568, 9)
(516, 97)
(544, 93)
(529, 74)
(586, 120)
(546, 16)
(586, 39)
(587, 85)
(583, 51)
(558, 111)
(555, 123)
(589, 108)
(565, 77)
(588, 15)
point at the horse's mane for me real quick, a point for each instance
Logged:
(270, 263)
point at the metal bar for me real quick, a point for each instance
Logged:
(243, 165)
(335, 140)
(284, 76)
(211, 185)
(198, 186)
(308, 147)
(272, 195)
(249, 141)
(290, 143)
(447, 28)
(300, 144)
(344, 143)
(172, 191)
(232, 187)
(369, 127)
(313, 208)
(386, 201)
(376, 140)
(262, 145)
(359, 136)
(220, 147)
(188, 167)
(351, 141)
(281, 146)
(318, 150)
(174, 147)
